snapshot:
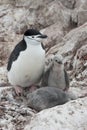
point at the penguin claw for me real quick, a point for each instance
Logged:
(18, 90)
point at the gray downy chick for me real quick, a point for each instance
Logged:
(56, 75)
(47, 97)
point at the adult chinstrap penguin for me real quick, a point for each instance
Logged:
(27, 60)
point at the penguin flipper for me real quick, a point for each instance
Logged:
(21, 46)
(66, 80)
(45, 78)
(46, 73)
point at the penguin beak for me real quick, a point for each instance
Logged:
(59, 62)
(42, 36)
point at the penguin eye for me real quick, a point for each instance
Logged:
(32, 36)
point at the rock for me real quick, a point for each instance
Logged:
(3, 53)
(74, 40)
(21, 20)
(7, 46)
(82, 4)
(79, 64)
(15, 113)
(53, 38)
(61, 117)
(15, 19)
(78, 15)
(3, 75)
(68, 3)
(82, 17)
(77, 92)
(38, 15)
(33, 4)
(7, 1)
(55, 12)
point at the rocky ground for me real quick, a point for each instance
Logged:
(65, 23)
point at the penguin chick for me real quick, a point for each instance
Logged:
(46, 97)
(27, 60)
(56, 74)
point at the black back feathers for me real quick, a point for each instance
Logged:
(21, 46)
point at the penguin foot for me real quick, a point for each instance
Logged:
(18, 90)
(33, 88)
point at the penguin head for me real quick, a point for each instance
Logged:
(34, 35)
(58, 59)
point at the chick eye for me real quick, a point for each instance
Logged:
(32, 36)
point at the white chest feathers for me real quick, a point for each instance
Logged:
(28, 67)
